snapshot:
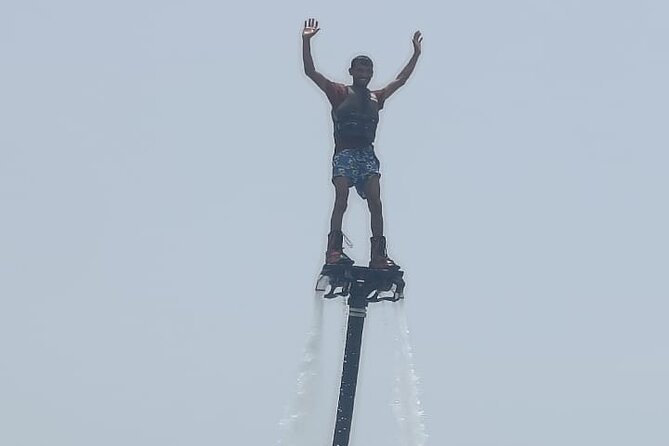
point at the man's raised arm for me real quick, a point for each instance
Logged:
(408, 69)
(310, 30)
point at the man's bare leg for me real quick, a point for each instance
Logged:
(341, 185)
(373, 192)
(335, 251)
(378, 257)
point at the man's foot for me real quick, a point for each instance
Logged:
(337, 258)
(379, 257)
(335, 251)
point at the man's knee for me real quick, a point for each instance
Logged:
(340, 204)
(374, 204)
(341, 193)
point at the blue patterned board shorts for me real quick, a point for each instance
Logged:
(357, 165)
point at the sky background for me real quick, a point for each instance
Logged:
(165, 197)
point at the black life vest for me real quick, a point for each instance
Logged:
(356, 118)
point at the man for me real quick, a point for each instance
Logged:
(355, 114)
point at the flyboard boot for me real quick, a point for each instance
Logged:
(331, 280)
(379, 257)
(335, 251)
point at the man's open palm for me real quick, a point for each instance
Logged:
(310, 28)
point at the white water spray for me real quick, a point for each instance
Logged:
(406, 389)
(295, 424)
(308, 418)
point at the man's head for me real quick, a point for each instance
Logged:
(361, 70)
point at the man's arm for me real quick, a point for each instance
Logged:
(407, 70)
(310, 30)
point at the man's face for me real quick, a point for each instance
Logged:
(362, 73)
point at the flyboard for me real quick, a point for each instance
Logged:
(360, 286)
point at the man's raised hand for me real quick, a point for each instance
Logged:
(310, 28)
(417, 41)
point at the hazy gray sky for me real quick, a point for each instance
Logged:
(165, 193)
